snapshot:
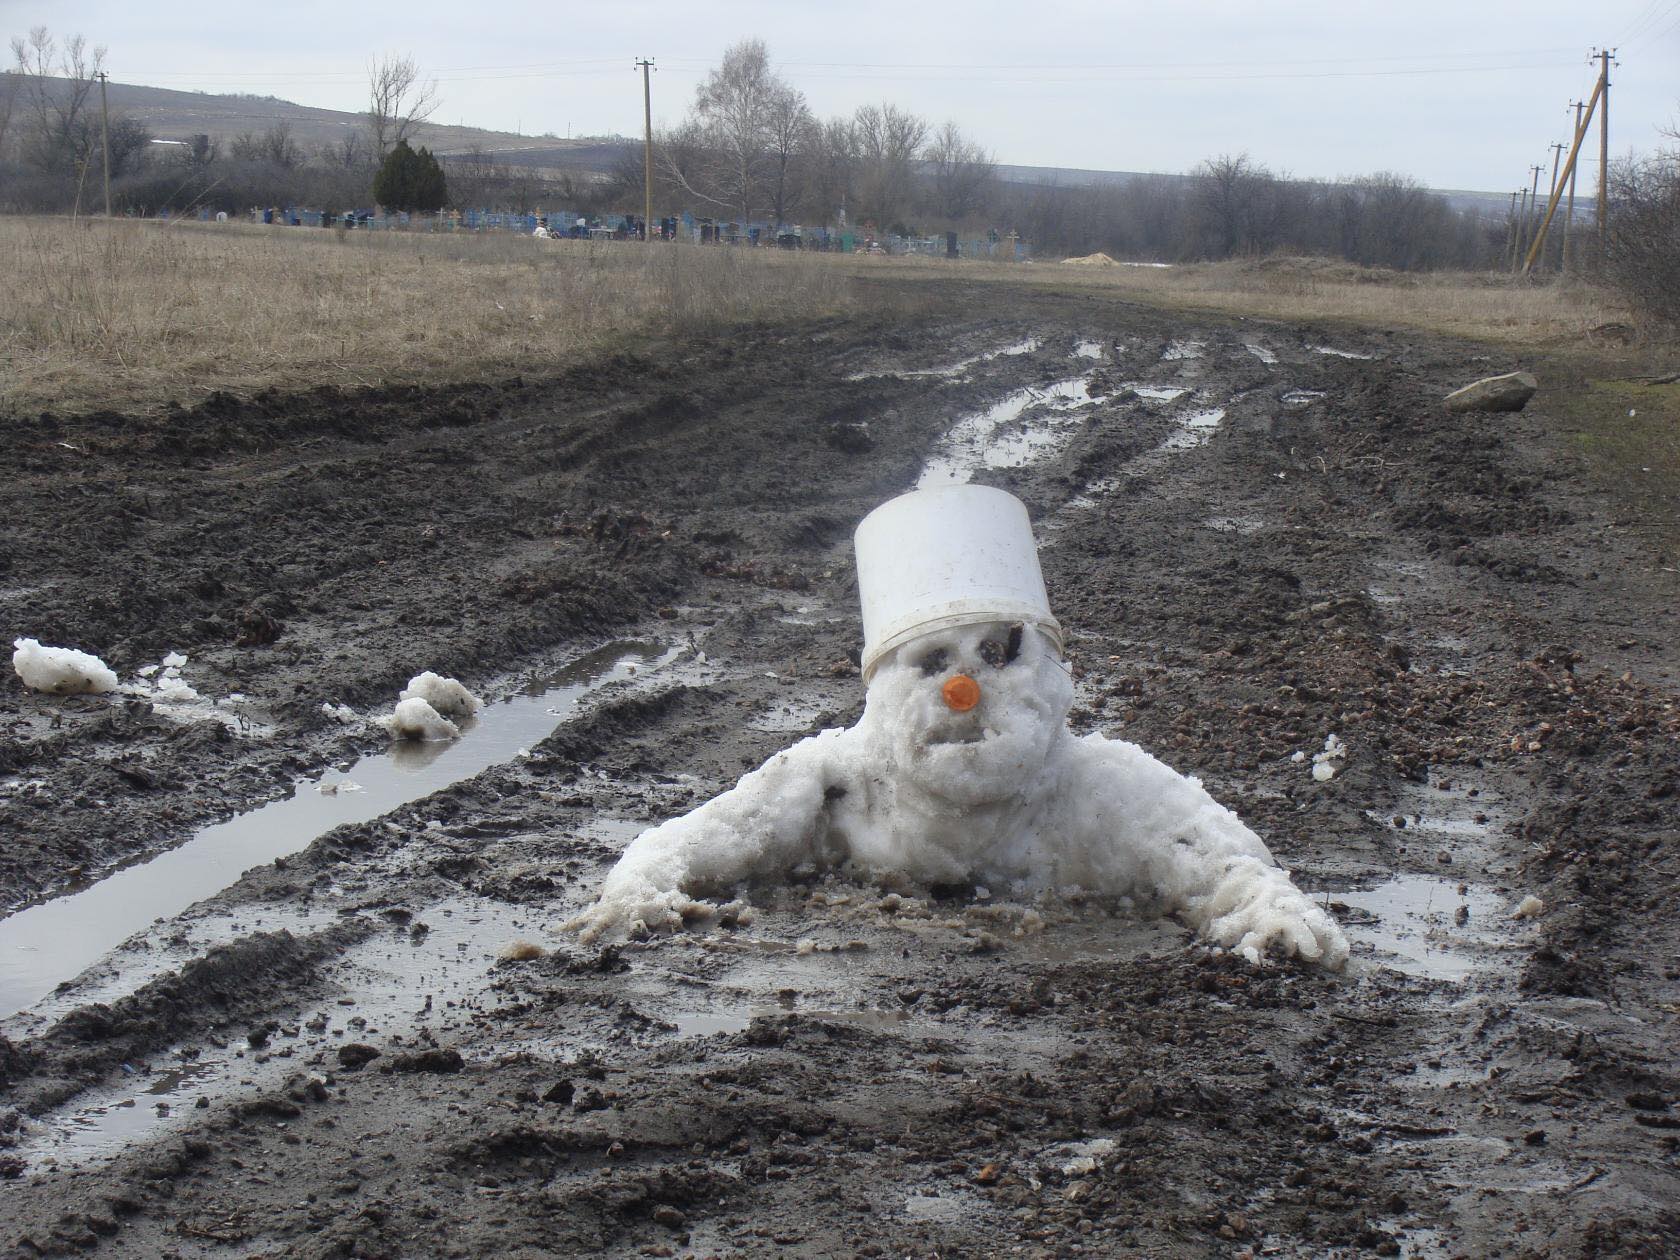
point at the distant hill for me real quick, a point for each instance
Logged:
(173, 115)
(176, 115)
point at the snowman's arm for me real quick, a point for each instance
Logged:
(765, 824)
(1168, 835)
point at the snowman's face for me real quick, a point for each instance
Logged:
(970, 714)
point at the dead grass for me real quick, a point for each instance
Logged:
(122, 314)
(125, 314)
(1478, 306)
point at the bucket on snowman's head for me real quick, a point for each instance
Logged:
(951, 556)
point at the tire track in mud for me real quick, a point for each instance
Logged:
(852, 1072)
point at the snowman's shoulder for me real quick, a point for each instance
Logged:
(1097, 751)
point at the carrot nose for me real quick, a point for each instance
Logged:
(961, 692)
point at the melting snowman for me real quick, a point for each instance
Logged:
(962, 766)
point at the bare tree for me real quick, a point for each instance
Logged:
(963, 173)
(722, 153)
(10, 82)
(887, 142)
(349, 152)
(1641, 257)
(398, 101)
(788, 137)
(829, 165)
(61, 140)
(274, 146)
(1236, 207)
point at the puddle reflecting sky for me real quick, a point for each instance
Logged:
(47, 944)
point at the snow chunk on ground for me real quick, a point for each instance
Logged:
(1324, 768)
(343, 714)
(415, 719)
(62, 671)
(444, 694)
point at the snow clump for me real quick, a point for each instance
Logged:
(1334, 750)
(444, 694)
(415, 719)
(62, 671)
(343, 714)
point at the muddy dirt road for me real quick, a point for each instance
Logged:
(246, 1016)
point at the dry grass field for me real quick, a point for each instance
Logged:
(122, 314)
(129, 314)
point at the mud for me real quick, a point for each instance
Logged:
(1256, 538)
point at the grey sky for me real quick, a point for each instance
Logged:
(1461, 94)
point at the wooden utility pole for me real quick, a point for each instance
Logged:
(1568, 169)
(105, 139)
(646, 64)
(1557, 147)
(1603, 144)
(1532, 212)
(1569, 214)
(1511, 254)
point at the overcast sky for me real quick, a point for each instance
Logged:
(1460, 94)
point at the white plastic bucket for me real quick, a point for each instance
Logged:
(945, 557)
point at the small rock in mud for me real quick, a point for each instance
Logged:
(425, 1061)
(356, 1055)
(561, 1092)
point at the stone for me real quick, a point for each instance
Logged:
(1510, 392)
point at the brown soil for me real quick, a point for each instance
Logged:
(849, 1073)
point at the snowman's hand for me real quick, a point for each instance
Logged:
(622, 908)
(1256, 908)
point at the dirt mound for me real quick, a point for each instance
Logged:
(1098, 259)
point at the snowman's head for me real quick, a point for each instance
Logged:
(969, 714)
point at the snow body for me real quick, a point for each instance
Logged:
(415, 719)
(1003, 794)
(63, 671)
(446, 695)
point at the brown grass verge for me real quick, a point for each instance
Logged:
(120, 314)
(124, 314)
(1478, 306)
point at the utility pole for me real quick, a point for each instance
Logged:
(1568, 170)
(1557, 147)
(1533, 205)
(646, 64)
(105, 139)
(1512, 231)
(1569, 216)
(1603, 144)
(1520, 238)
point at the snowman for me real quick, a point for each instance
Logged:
(962, 767)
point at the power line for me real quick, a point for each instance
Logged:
(1665, 32)
(1642, 29)
(1195, 78)
(1645, 15)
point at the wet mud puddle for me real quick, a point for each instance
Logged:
(53, 942)
(1436, 926)
(989, 438)
(419, 978)
(1025, 345)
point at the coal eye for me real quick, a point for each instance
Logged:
(934, 662)
(999, 652)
